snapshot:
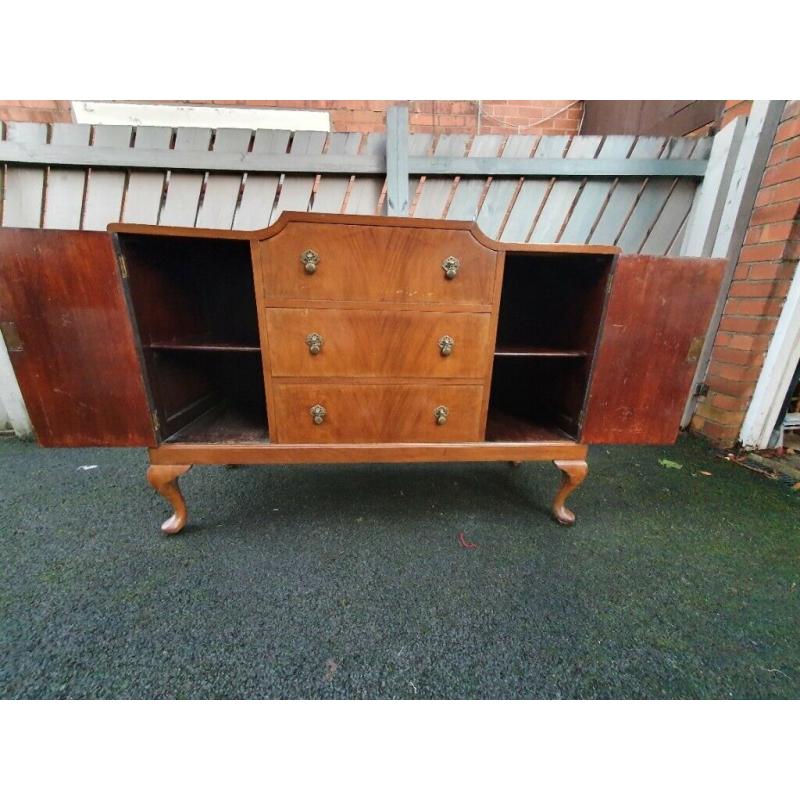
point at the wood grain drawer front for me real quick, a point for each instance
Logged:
(392, 344)
(353, 413)
(368, 263)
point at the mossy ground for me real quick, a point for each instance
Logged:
(349, 581)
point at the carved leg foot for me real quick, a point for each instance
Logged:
(572, 475)
(164, 479)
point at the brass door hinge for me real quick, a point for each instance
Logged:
(156, 424)
(123, 267)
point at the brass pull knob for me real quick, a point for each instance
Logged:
(440, 414)
(450, 266)
(446, 345)
(318, 413)
(314, 342)
(310, 259)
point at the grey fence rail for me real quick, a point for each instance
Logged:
(636, 192)
(652, 195)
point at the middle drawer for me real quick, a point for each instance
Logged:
(397, 344)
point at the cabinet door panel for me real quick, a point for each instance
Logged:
(75, 356)
(655, 321)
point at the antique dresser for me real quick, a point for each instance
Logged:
(331, 338)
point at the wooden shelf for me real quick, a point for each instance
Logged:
(538, 352)
(207, 347)
(502, 427)
(224, 424)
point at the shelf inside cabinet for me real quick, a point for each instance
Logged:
(205, 346)
(504, 427)
(521, 351)
(225, 423)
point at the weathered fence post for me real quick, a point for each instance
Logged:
(397, 161)
(751, 161)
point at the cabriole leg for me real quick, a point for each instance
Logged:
(164, 479)
(572, 475)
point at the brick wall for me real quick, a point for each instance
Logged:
(425, 116)
(760, 283)
(436, 116)
(35, 111)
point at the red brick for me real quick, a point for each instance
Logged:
(753, 342)
(747, 324)
(723, 436)
(755, 307)
(732, 388)
(734, 372)
(730, 355)
(752, 288)
(761, 252)
(727, 403)
(775, 213)
(781, 173)
(788, 130)
(777, 231)
(786, 191)
(772, 270)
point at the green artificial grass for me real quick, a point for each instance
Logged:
(350, 582)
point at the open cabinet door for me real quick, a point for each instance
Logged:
(654, 327)
(71, 342)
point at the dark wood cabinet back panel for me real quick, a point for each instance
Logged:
(77, 364)
(194, 289)
(657, 316)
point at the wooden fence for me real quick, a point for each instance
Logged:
(654, 195)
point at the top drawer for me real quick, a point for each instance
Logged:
(378, 264)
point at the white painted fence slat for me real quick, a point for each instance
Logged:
(145, 188)
(365, 193)
(563, 193)
(105, 187)
(183, 189)
(295, 194)
(624, 194)
(502, 190)
(469, 191)
(222, 190)
(258, 194)
(332, 189)
(65, 186)
(436, 191)
(24, 187)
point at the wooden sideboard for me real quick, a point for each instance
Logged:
(332, 338)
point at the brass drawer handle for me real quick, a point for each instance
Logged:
(310, 260)
(318, 413)
(440, 414)
(450, 266)
(314, 342)
(446, 345)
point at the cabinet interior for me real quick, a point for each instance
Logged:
(194, 305)
(551, 308)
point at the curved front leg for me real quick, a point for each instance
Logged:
(164, 479)
(572, 475)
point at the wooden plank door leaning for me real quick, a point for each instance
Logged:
(333, 338)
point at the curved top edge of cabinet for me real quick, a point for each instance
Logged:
(287, 217)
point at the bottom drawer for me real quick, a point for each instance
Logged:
(363, 413)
